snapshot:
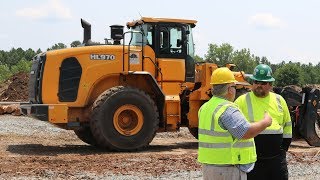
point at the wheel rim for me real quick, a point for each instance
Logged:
(128, 120)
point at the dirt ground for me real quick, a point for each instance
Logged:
(31, 149)
(43, 151)
(15, 88)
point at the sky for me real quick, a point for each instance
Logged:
(281, 30)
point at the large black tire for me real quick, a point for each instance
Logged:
(84, 133)
(124, 119)
(317, 127)
(194, 132)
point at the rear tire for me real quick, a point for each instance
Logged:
(124, 119)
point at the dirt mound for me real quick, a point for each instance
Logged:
(15, 88)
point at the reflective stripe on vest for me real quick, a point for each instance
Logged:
(216, 145)
(251, 114)
(214, 133)
(250, 109)
(279, 103)
(287, 135)
(226, 145)
(269, 131)
(287, 125)
(215, 112)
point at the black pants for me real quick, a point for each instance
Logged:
(267, 169)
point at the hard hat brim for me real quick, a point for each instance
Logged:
(242, 83)
(233, 81)
(263, 80)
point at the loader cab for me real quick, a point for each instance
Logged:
(170, 41)
(175, 41)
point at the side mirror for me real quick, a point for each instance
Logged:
(185, 36)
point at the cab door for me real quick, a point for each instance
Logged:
(172, 53)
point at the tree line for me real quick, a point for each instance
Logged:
(19, 60)
(291, 73)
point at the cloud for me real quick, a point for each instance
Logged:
(53, 9)
(266, 21)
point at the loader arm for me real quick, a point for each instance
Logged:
(304, 110)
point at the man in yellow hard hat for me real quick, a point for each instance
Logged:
(226, 145)
(273, 142)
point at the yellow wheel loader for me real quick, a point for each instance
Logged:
(119, 94)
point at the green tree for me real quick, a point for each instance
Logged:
(75, 43)
(221, 55)
(22, 66)
(5, 72)
(244, 60)
(39, 51)
(288, 74)
(198, 58)
(309, 73)
(57, 46)
(1, 57)
(317, 70)
(264, 60)
(29, 54)
(13, 57)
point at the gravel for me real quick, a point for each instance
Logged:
(301, 165)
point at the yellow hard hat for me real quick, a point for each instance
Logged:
(222, 76)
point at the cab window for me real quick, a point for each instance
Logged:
(171, 41)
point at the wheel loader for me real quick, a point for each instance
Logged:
(119, 94)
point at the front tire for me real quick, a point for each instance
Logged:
(124, 119)
(84, 133)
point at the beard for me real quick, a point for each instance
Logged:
(259, 92)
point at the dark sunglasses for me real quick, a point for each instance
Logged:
(260, 82)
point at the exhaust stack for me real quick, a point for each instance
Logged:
(86, 32)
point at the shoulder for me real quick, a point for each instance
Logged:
(241, 98)
(231, 111)
(282, 100)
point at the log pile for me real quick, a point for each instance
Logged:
(13, 109)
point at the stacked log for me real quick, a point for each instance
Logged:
(13, 109)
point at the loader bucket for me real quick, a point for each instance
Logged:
(310, 120)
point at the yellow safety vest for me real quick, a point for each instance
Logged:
(216, 145)
(254, 107)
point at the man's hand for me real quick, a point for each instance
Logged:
(267, 120)
(257, 127)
